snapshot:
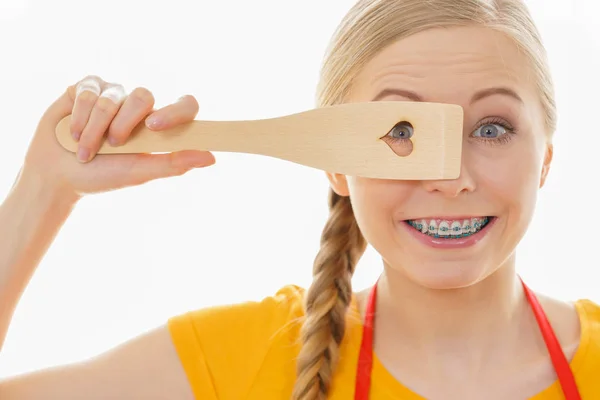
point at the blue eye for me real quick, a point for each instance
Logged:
(490, 131)
(402, 130)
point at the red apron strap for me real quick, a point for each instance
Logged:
(561, 365)
(365, 357)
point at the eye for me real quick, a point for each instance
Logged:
(402, 130)
(490, 131)
(398, 138)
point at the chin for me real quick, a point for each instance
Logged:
(456, 260)
(445, 274)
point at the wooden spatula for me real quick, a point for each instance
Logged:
(345, 138)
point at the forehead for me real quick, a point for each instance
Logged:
(447, 65)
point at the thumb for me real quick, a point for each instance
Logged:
(147, 167)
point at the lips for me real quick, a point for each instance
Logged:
(449, 228)
(449, 233)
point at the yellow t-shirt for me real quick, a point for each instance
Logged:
(248, 351)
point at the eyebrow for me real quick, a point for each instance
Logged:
(476, 97)
(397, 92)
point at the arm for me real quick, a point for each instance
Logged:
(147, 367)
(30, 218)
(42, 198)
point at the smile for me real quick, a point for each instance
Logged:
(449, 228)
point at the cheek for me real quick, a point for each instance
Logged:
(510, 177)
(376, 202)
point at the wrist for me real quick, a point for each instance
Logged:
(37, 191)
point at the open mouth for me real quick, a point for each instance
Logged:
(450, 228)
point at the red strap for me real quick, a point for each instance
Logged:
(561, 365)
(365, 357)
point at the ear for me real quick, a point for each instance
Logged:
(546, 165)
(339, 184)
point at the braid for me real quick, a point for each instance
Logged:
(328, 299)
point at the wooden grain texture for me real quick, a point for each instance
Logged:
(343, 138)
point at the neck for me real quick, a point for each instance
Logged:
(481, 323)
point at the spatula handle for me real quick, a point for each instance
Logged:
(345, 138)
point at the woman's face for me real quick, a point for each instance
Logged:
(506, 155)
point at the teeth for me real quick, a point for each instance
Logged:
(456, 228)
(475, 224)
(444, 229)
(418, 225)
(433, 228)
(449, 229)
(466, 227)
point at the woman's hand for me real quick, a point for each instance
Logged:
(103, 111)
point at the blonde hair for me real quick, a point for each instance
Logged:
(368, 28)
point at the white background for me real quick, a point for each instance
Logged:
(126, 261)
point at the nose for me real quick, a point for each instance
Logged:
(453, 187)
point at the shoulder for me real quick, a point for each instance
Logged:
(251, 320)
(286, 302)
(588, 313)
(577, 327)
(223, 348)
(586, 360)
(573, 321)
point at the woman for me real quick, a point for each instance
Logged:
(451, 318)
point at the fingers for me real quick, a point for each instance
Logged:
(102, 113)
(136, 107)
(183, 110)
(86, 93)
(147, 167)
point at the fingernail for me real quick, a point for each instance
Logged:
(76, 135)
(83, 154)
(153, 122)
(112, 141)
